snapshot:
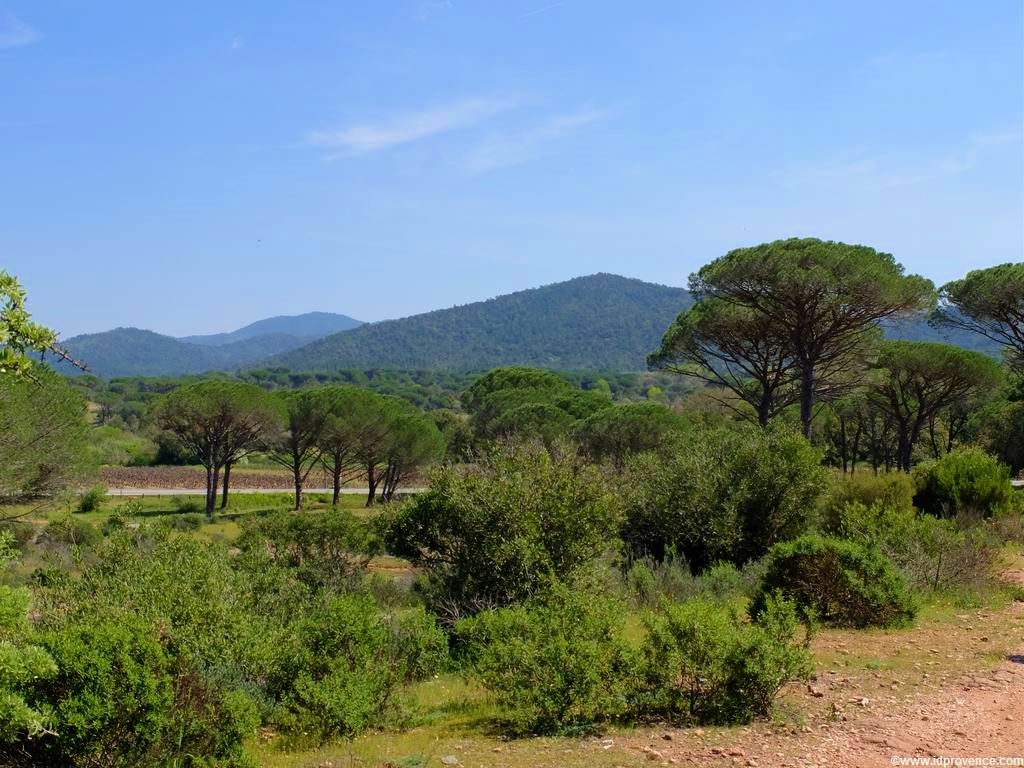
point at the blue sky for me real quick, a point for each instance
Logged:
(193, 166)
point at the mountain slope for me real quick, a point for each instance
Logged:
(305, 328)
(601, 322)
(136, 352)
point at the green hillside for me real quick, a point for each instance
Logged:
(305, 328)
(601, 322)
(136, 352)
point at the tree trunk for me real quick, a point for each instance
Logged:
(855, 449)
(807, 398)
(337, 480)
(297, 476)
(211, 492)
(371, 483)
(227, 482)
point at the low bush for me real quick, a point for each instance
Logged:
(702, 662)
(328, 550)
(191, 521)
(340, 675)
(722, 495)
(92, 500)
(72, 532)
(116, 700)
(966, 483)
(841, 583)
(555, 663)
(494, 536)
(893, 490)
(648, 582)
(186, 504)
(419, 644)
(934, 554)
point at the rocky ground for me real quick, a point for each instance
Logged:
(941, 689)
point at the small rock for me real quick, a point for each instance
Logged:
(450, 760)
(667, 736)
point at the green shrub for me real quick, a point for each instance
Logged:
(722, 495)
(186, 504)
(495, 536)
(965, 483)
(841, 583)
(702, 662)
(554, 663)
(328, 549)
(116, 701)
(934, 554)
(419, 645)
(191, 521)
(92, 500)
(71, 531)
(649, 582)
(340, 675)
(876, 523)
(25, 665)
(894, 490)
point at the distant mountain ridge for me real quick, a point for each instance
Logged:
(602, 321)
(138, 352)
(308, 327)
(597, 322)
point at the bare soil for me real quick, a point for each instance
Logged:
(952, 686)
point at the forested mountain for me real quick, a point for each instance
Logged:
(136, 352)
(305, 328)
(918, 329)
(601, 322)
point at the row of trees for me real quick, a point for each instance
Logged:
(800, 323)
(347, 430)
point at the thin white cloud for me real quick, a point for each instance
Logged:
(364, 138)
(426, 10)
(882, 171)
(543, 9)
(504, 150)
(14, 33)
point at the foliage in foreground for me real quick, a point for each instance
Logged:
(967, 482)
(702, 662)
(554, 663)
(559, 662)
(495, 536)
(841, 583)
(721, 495)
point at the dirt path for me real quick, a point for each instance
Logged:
(946, 688)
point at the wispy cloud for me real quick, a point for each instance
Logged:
(886, 170)
(14, 33)
(426, 10)
(543, 9)
(363, 138)
(506, 149)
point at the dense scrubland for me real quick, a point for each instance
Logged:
(592, 554)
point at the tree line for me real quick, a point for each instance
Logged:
(349, 431)
(799, 323)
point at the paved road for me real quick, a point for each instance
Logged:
(202, 492)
